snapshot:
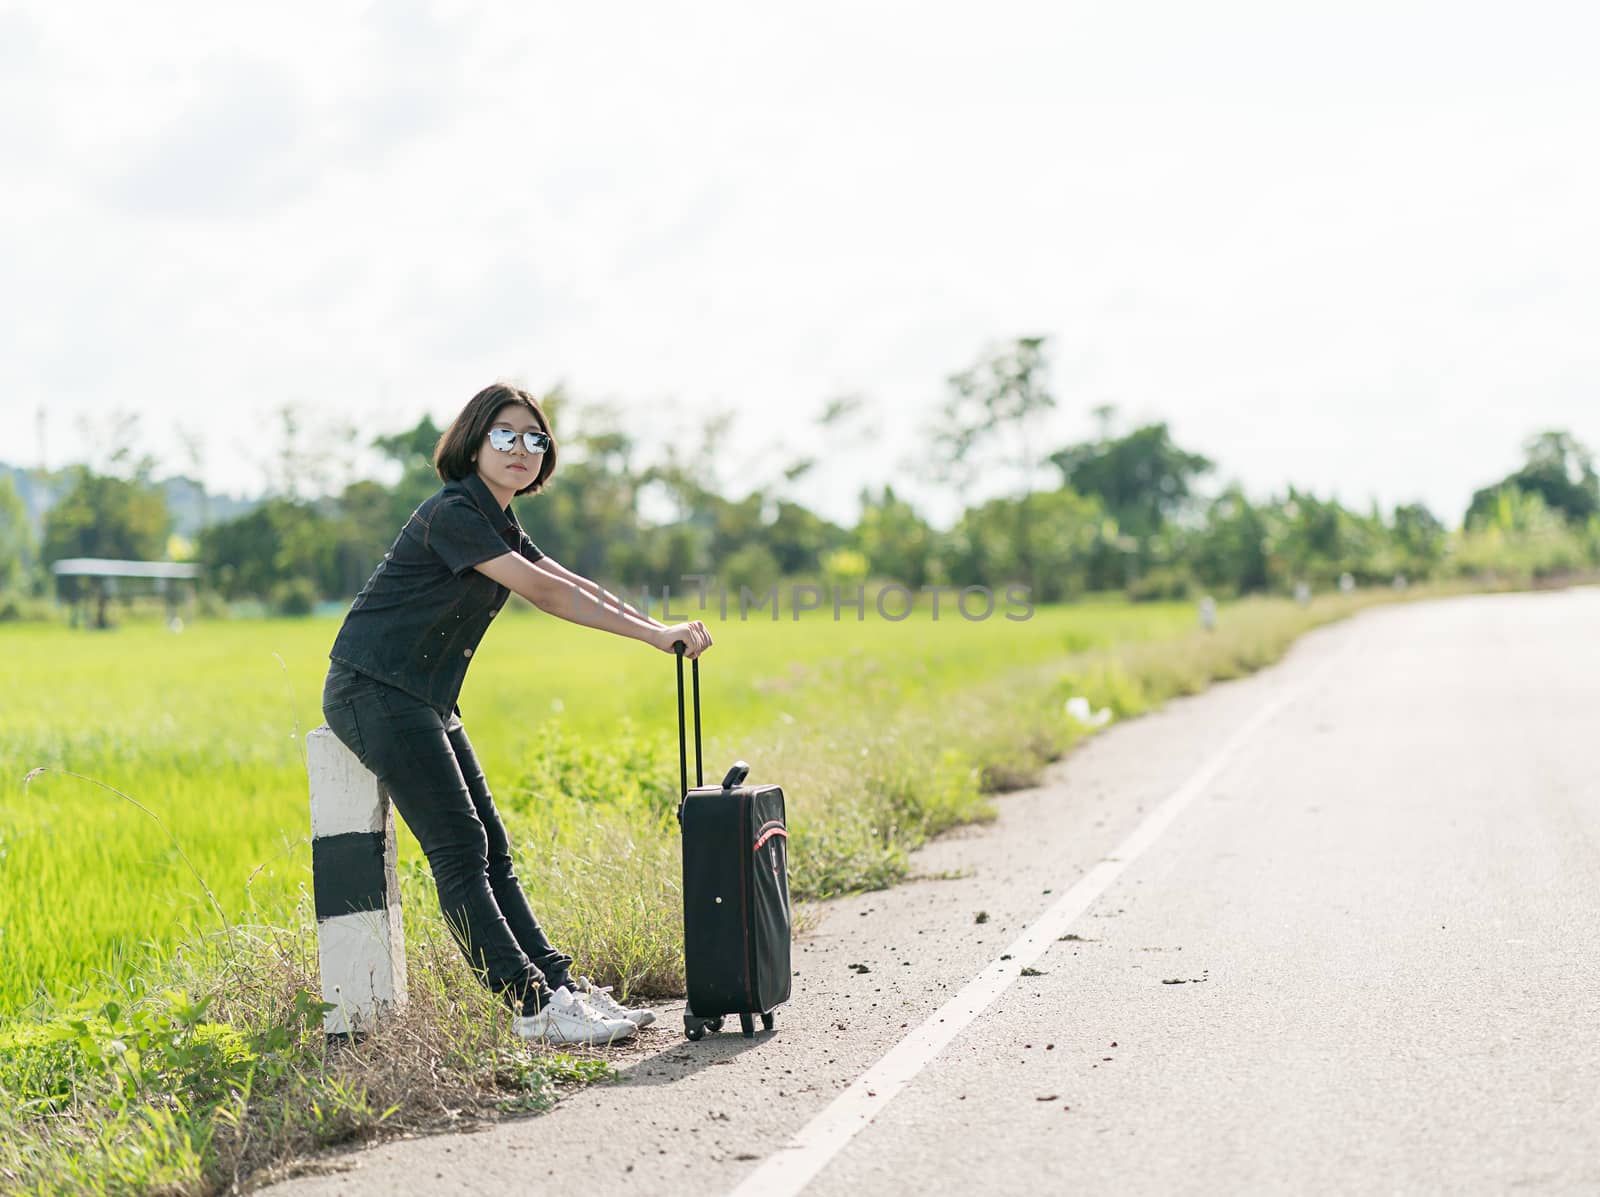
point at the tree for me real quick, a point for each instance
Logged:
(1559, 469)
(1420, 539)
(690, 478)
(998, 399)
(1229, 553)
(1316, 540)
(1055, 559)
(277, 543)
(799, 538)
(362, 525)
(994, 402)
(310, 460)
(588, 517)
(16, 536)
(897, 541)
(751, 567)
(1523, 536)
(121, 518)
(1144, 479)
(124, 519)
(412, 451)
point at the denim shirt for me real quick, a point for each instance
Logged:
(419, 618)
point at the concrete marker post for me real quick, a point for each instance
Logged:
(361, 945)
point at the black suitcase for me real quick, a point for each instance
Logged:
(735, 891)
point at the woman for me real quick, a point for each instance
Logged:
(398, 664)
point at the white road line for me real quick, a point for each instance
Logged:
(797, 1163)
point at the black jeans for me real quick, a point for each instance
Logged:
(427, 764)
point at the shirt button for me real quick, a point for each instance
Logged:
(466, 652)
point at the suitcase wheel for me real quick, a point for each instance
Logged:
(695, 1027)
(747, 1024)
(766, 1022)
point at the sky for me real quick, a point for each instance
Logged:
(1348, 245)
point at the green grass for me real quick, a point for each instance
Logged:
(205, 730)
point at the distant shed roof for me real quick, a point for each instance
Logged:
(104, 567)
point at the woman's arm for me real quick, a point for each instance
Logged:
(594, 592)
(561, 596)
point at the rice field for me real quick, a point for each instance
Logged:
(203, 729)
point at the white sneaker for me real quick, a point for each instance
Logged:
(566, 1019)
(599, 999)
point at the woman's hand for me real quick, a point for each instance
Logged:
(693, 634)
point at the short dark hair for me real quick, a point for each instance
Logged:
(455, 456)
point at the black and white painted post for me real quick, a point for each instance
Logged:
(361, 946)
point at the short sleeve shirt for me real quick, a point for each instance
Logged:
(420, 617)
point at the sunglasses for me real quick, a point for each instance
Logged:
(504, 439)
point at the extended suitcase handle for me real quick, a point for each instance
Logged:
(679, 647)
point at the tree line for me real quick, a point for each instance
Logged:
(1126, 511)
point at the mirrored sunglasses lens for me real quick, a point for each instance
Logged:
(536, 442)
(502, 439)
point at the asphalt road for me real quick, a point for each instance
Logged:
(1349, 947)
